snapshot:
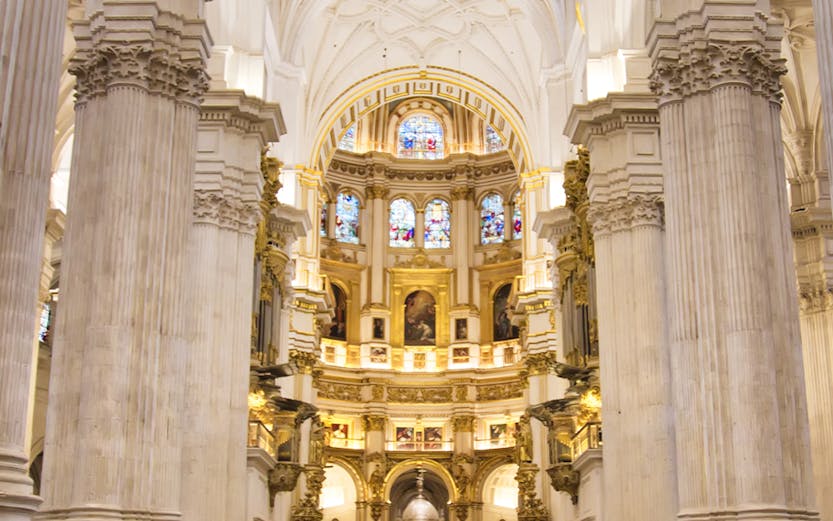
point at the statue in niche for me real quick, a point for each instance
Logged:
(420, 319)
(338, 328)
(523, 440)
(317, 438)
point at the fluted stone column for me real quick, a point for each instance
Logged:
(114, 432)
(31, 61)
(233, 130)
(377, 195)
(823, 20)
(462, 201)
(621, 133)
(739, 402)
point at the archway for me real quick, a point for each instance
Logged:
(419, 495)
(459, 88)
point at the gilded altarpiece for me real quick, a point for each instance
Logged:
(348, 275)
(404, 282)
(492, 278)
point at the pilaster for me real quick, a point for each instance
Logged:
(823, 20)
(31, 37)
(716, 72)
(117, 392)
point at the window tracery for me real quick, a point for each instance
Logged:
(491, 219)
(402, 223)
(437, 224)
(347, 218)
(420, 137)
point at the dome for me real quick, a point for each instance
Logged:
(420, 509)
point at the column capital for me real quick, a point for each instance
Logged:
(463, 423)
(377, 191)
(462, 193)
(716, 46)
(157, 51)
(225, 211)
(374, 422)
(624, 214)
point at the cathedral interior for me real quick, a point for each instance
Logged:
(418, 260)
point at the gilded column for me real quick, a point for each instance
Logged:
(823, 20)
(740, 412)
(31, 61)
(227, 193)
(624, 187)
(114, 432)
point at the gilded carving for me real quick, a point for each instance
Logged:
(374, 422)
(564, 479)
(339, 391)
(530, 507)
(420, 260)
(462, 423)
(500, 391)
(377, 192)
(462, 193)
(420, 394)
(377, 392)
(303, 360)
(540, 363)
(283, 477)
(504, 254)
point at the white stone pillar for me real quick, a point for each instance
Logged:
(114, 432)
(461, 241)
(419, 228)
(31, 62)
(621, 133)
(377, 243)
(739, 401)
(233, 130)
(823, 20)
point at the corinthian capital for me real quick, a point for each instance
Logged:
(625, 214)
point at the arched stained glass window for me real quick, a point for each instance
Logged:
(491, 219)
(347, 218)
(517, 218)
(402, 223)
(420, 137)
(323, 225)
(493, 141)
(437, 225)
(348, 140)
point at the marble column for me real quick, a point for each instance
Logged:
(31, 62)
(233, 129)
(624, 187)
(823, 20)
(742, 441)
(114, 431)
(377, 195)
(462, 200)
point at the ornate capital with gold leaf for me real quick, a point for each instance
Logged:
(283, 478)
(462, 193)
(540, 363)
(530, 507)
(463, 423)
(303, 360)
(564, 479)
(374, 422)
(377, 192)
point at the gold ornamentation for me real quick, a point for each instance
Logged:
(377, 392)
(374, 422)
(530, 507)
(339, 391)
(461, 393)
(564, 479)
(283, 478)
(303, 360)
(501, 391)
(505, 253)
(540, 363)
(377, 192)
(307, 508)
(462, 193)
(420, 260)
(420, 394)
(462, 423)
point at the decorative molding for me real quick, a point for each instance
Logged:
(419, 260)
(564, 478)
(501, 391)
(687, 60)
(815, 298)
(376, 192)
(303, 360)
(283, 478)
(637, 210)
(530, 506)
(505, 253)
(463, 423)
(420, 394)
(462, 193)
(339, 391)
(225, 211)
(374, 164)
(374, 422)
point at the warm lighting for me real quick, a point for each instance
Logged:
(591, 400)
(257, 400)
(506, 497)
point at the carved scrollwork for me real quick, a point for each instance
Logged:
(283, 478)
(501, 391)
(635, 211)
(462, 423)
(564, 479)
(420, 394)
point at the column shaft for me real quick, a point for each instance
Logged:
(823, 19)
(28, 98)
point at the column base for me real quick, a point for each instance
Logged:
(16, 498)
(750, 512)
(106, 512)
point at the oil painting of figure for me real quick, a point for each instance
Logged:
(420, 319)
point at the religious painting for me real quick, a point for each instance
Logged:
(437, 224)
(402, 222)
(461, 329)
(433, 438)
(339, 431)
(404, 437)
(379, 328)
(460, 354)
(503, 328)
(378, 354)
(491, 219)
(338, 328)
(420, 319)
(497, 433)
(347, 218)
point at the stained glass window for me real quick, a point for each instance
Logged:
(347, 218)
(323, 226)
(517, 219)
(402, 223)
(437, 225)
(491, 219)
(348, 140)
(421, 137)
(493, 141)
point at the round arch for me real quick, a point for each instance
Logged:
(401, 468)
(486, 469)
(362, 487)
(406, 82)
